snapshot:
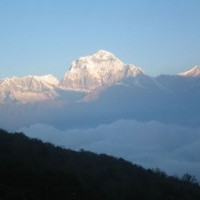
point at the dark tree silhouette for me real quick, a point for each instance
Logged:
(33, 170)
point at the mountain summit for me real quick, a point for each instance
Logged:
(194, 71)
(96, 70)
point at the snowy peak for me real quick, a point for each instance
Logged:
(50, 79)
(99, 69)
(134, 71)
(28, 88)
(104, 55)
(33, 83)
(194, 71)
(96, 61)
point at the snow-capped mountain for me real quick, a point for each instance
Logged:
(85, 75)
(99, 69)
(194, 71)
(28, 89)
(89, 77)
(98, 89)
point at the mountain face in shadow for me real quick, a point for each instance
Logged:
(34, 170)
(167, 99)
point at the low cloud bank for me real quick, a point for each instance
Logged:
(174, 149)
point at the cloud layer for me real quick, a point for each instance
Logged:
(174, 149)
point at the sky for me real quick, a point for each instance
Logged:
(44, 36)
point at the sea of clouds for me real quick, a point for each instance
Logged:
(172, 148)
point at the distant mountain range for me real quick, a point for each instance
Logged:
(100, 89)
(90, 76)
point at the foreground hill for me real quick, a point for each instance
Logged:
(31, 169)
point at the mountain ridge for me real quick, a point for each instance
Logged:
(85, 75)
(28, 89)
(192, 72)
(89, 74)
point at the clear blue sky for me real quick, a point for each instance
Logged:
(44, 36)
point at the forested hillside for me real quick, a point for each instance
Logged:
(33, 170)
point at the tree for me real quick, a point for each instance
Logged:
(189, 178)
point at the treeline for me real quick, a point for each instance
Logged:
(33, 170)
